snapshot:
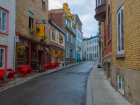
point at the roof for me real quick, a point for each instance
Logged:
(51, 22)
(90, 38)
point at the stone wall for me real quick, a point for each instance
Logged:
(23, 7)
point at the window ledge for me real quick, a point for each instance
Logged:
(109, 41)
(104, 48)
(43, 11)
(120, 56)
(3, 32)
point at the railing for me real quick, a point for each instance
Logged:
(100, 2)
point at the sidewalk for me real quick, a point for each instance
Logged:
(102, 92)
(18, 81)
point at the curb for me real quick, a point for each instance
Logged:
(32, 77)
(88, 88)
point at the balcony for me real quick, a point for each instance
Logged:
(100, 11)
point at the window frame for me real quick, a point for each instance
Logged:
(43, 5)
(122, 84)
(4, 58)
(7, 21)
(119, 28)
(53, 32)
(31, 19)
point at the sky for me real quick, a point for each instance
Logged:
(85, 10)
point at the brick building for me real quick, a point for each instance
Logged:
(103, 15)
(7, 33)
(64, 20)
(32, 14)
(125, 48)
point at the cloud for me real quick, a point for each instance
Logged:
(54, 4)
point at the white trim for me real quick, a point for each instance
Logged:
(120, 89)
(5, 21)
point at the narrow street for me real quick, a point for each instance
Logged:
(66, 87)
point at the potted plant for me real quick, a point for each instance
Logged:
(32, 30)
(21, 49)
(43, 20)
(42, 39)
(48, 53)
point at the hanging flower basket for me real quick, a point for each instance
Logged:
(21, 49)
(48, 53)
(99, 23)
(79, 48)
(42, 39)
(32, 30)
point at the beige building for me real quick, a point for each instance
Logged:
(125, 76)
(30, 15)
(57, 38)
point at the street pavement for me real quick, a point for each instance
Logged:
(65, 87)
(102, 92)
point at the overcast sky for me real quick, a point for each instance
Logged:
(85, 10)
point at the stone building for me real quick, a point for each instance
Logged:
(7, 34)
(64, 20)
(57, 37)
(92, 48)
(79, 38)
(32, 29)
(103, 15)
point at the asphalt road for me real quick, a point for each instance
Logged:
(65, 87)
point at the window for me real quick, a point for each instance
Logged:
(95, 55)
(3, 21)
(120, 28)
(95, 40)
(60, 39)
(73, 53)
(53, 34)
(31, 19)
(67, 37)
(87, 43)
(66, 22)
(87, 49)
(97, 47)
(71, 39)
(120, 83)
(2, 58)
(43, 5)
(109, 20)
(93, 48)
(87, 55)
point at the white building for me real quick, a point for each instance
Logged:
(91, 48)
(79, 38)
(7, 33)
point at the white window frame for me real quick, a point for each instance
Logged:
(4, 58)
(5, 22)
(122, 84)
(121, 51)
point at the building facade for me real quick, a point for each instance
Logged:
(105, 32)
(33, 32)
(7, 34)
(64, 19)
(57, 37)
(79, 38)
(92, 48)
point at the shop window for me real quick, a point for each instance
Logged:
(31, 18)
(2, 58)
(53, 34)
(43, 5)
(120, 83)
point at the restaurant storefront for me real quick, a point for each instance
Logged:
(30, 52)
